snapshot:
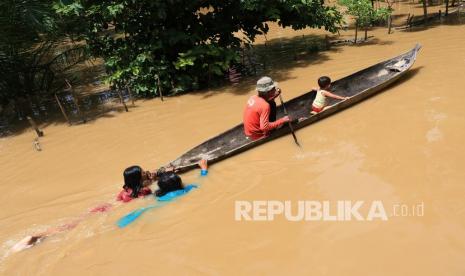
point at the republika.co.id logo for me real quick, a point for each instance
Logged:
(310, 210)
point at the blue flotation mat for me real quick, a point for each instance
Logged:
(174, 194)
(129, 218)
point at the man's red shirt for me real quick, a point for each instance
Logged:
(256, 118)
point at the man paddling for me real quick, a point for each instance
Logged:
(260, 111)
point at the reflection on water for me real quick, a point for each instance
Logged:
(91, 105)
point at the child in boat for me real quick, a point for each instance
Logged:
(170, 184)
(320, 102)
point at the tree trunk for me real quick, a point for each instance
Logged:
(62, 109)
(373, 4)
(327, 42)
(447, 7)
(34, 126)
(366, 33)
(209, 76)
(159, 88)
(425, 12)
(131, 97)
(76, 101)
(120, 95)
(356, 32)
(122, 99)
(389, 24)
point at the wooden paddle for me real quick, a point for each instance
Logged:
(290, 125)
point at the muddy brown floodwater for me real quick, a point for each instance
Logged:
(403, 146)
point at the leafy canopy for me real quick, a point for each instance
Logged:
(179, 45)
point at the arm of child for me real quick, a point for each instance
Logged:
(124, 196)
(30, 241)
(156, 173)
(334, 96)
(203, 164)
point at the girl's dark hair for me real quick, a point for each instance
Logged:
(168, 182)
(133, 180)
(324, 81)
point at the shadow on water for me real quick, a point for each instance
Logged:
(454, 18)
(278, 57)
(275, 58)
(399, 16)
(410, 74)
(374, 41)
(47, 112)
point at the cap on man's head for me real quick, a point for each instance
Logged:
(265, 84)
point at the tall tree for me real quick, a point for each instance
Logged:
(364, 14)
(178, 45)
(425, 11)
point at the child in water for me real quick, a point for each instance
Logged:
(320, 102)
(31, 240)
(170, 184)
(136, 181)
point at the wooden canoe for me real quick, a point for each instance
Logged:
(358, 86)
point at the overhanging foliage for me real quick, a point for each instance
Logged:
(179, 45)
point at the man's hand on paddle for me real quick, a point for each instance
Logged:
(294, 120)
(287, 119)
(276, 93)
(297, 120)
